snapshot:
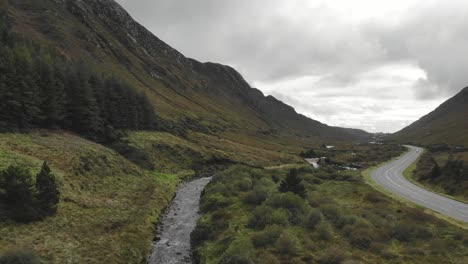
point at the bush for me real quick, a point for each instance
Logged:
(215, 201)
(260, 192)
(346, 220)
(288, 244)
(23, 256)
(332, 212)
(240, 251)
(261, 217)
(314, 218)
(243, 184)
(324, 231)
(374, 197)
(361, 238)
(280, 217)
(333, 255)
(267, 258)
(267, 237)
(291, 202)
(408, 231)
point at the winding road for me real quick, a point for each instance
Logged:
(390, 177)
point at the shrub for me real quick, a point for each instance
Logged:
(280, 217)
(261, 216)
(332, 212)
(438, 246)
(288, 244)
(324, 231)
(215, 201)
(314, 218)
(361, 238)
(23, 256)
(333, 255)
(260, 192)
(240, 251)
(256, 197)
(346, 220)
(403, 232)
(374, 197)
(267, 258)
(243, 184)
(267, 237)
(297, 207)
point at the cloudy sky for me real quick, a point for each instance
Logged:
(371, 64)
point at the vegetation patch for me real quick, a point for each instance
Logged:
(108, 206)
(253, 215)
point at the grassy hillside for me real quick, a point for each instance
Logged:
(108, 205)
(448, 124)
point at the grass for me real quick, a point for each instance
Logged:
(168, 153)
(108, 207)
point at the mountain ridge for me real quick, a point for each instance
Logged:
(106, 36)
(445, 124)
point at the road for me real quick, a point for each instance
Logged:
(390, 177)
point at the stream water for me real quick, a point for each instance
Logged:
(173, 243)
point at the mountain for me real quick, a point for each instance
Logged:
(447, 124)
(209, 96)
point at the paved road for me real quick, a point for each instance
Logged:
(390, 177)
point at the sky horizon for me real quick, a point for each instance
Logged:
(372, 65)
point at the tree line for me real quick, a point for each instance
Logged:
(40, 88)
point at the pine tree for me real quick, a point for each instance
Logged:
(19, 192)
(293, 184)
(48, 194)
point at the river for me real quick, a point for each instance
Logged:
(173, 243)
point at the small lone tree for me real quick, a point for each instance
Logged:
(18, 193)
(293, 184)
(48, 194)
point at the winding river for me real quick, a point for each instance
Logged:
(173, 244)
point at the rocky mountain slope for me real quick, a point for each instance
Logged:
(206, 96)
(446, 124)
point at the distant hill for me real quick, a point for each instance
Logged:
(447, 124)
(209, 96)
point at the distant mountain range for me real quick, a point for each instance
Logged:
(213, 96)
(448, 124)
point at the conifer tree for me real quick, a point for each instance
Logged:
(293, 184)
(19, 192)
(48, 194)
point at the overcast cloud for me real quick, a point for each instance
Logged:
(375, 65)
